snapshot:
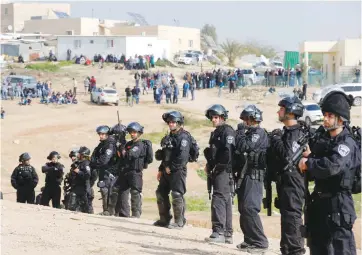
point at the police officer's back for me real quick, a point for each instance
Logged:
(253, 145)
(332, 163)
(54, 172)
(219, 158)
(24, 179)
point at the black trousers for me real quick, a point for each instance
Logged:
(25, 195)
(129, 181)
(51, 192)
(291, 209)
(221, 204)
(250, 197)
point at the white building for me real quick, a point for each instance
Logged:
(117, 45)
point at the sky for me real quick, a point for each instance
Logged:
(283, 24)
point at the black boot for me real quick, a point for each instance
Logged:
(216, 237)
(136, 204)
(104, 194)
(113, 201)
(178, 211)
(164, 211)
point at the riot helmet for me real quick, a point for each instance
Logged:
(216, 110)
(292, 104)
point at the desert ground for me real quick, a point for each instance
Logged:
(39, 129)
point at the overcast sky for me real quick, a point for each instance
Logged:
(280, 24)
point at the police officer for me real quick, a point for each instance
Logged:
(54, 172)
(254, 143)
(118, 132)
(24, 179)
(103, 159)
(290, 184)
(172, 171)
(332, 163)
(67, 180)
(219, 158)
(130, 179)
(80, 175)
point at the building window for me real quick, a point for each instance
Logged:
(191, 43)
(91, 41)
(69, 32)
(77, 44)
(6, 11)
(110, 44)
(179, 41)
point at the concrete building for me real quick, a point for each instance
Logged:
(116, 45)
(180, 38)
(340, 58)
(15, 14)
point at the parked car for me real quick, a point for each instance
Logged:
(312, 114)
(28, 82)
(104, 96)
(353, 89)
(187, 59)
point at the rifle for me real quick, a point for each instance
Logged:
(210, 170)
(267, 201)
(232, 186)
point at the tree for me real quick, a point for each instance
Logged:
(253, 47)
(209, 30)
(232, 50)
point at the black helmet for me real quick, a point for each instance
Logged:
(118, 130)
(53, 154)
(24, 157)
(339, 103)
(216, 109)
(135, 126)
(173, 116)
(84, 151)
(292, 105)
(73, 153)
(251, 111)
(103, 129)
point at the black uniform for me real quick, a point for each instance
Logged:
(290, 190)
(222, 145)
(250, 193)
(80, 186)
(93, 178)
(103, 159)
(131, 179)
(24, 179)
(54, 176)
(176, 150)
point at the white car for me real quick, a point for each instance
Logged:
(104, 96)
(187, 59)
(353, 89)
(312, 114)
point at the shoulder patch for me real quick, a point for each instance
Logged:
(109, 152)
(295, 146)
(343, 150)
(184, 143)
(255, 138)
(134, 149)
(230, 139)
(87, 168)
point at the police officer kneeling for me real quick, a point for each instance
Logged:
(254, 142)
(80, 175)
(332, 163)
(24, 179)
(172, 172)
(219, 158)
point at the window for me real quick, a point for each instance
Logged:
(69, 32)
(347, 88)
(191, 43)
(179, 41)
(357, 88)
(77, 44)
(6, 11)
(312, 107)
(91, 41)
(110, 44)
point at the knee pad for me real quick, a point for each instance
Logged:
(176, 195)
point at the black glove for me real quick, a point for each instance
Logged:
(277, 132)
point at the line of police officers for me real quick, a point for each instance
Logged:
(240, 156)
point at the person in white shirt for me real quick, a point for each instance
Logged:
(75, 85)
